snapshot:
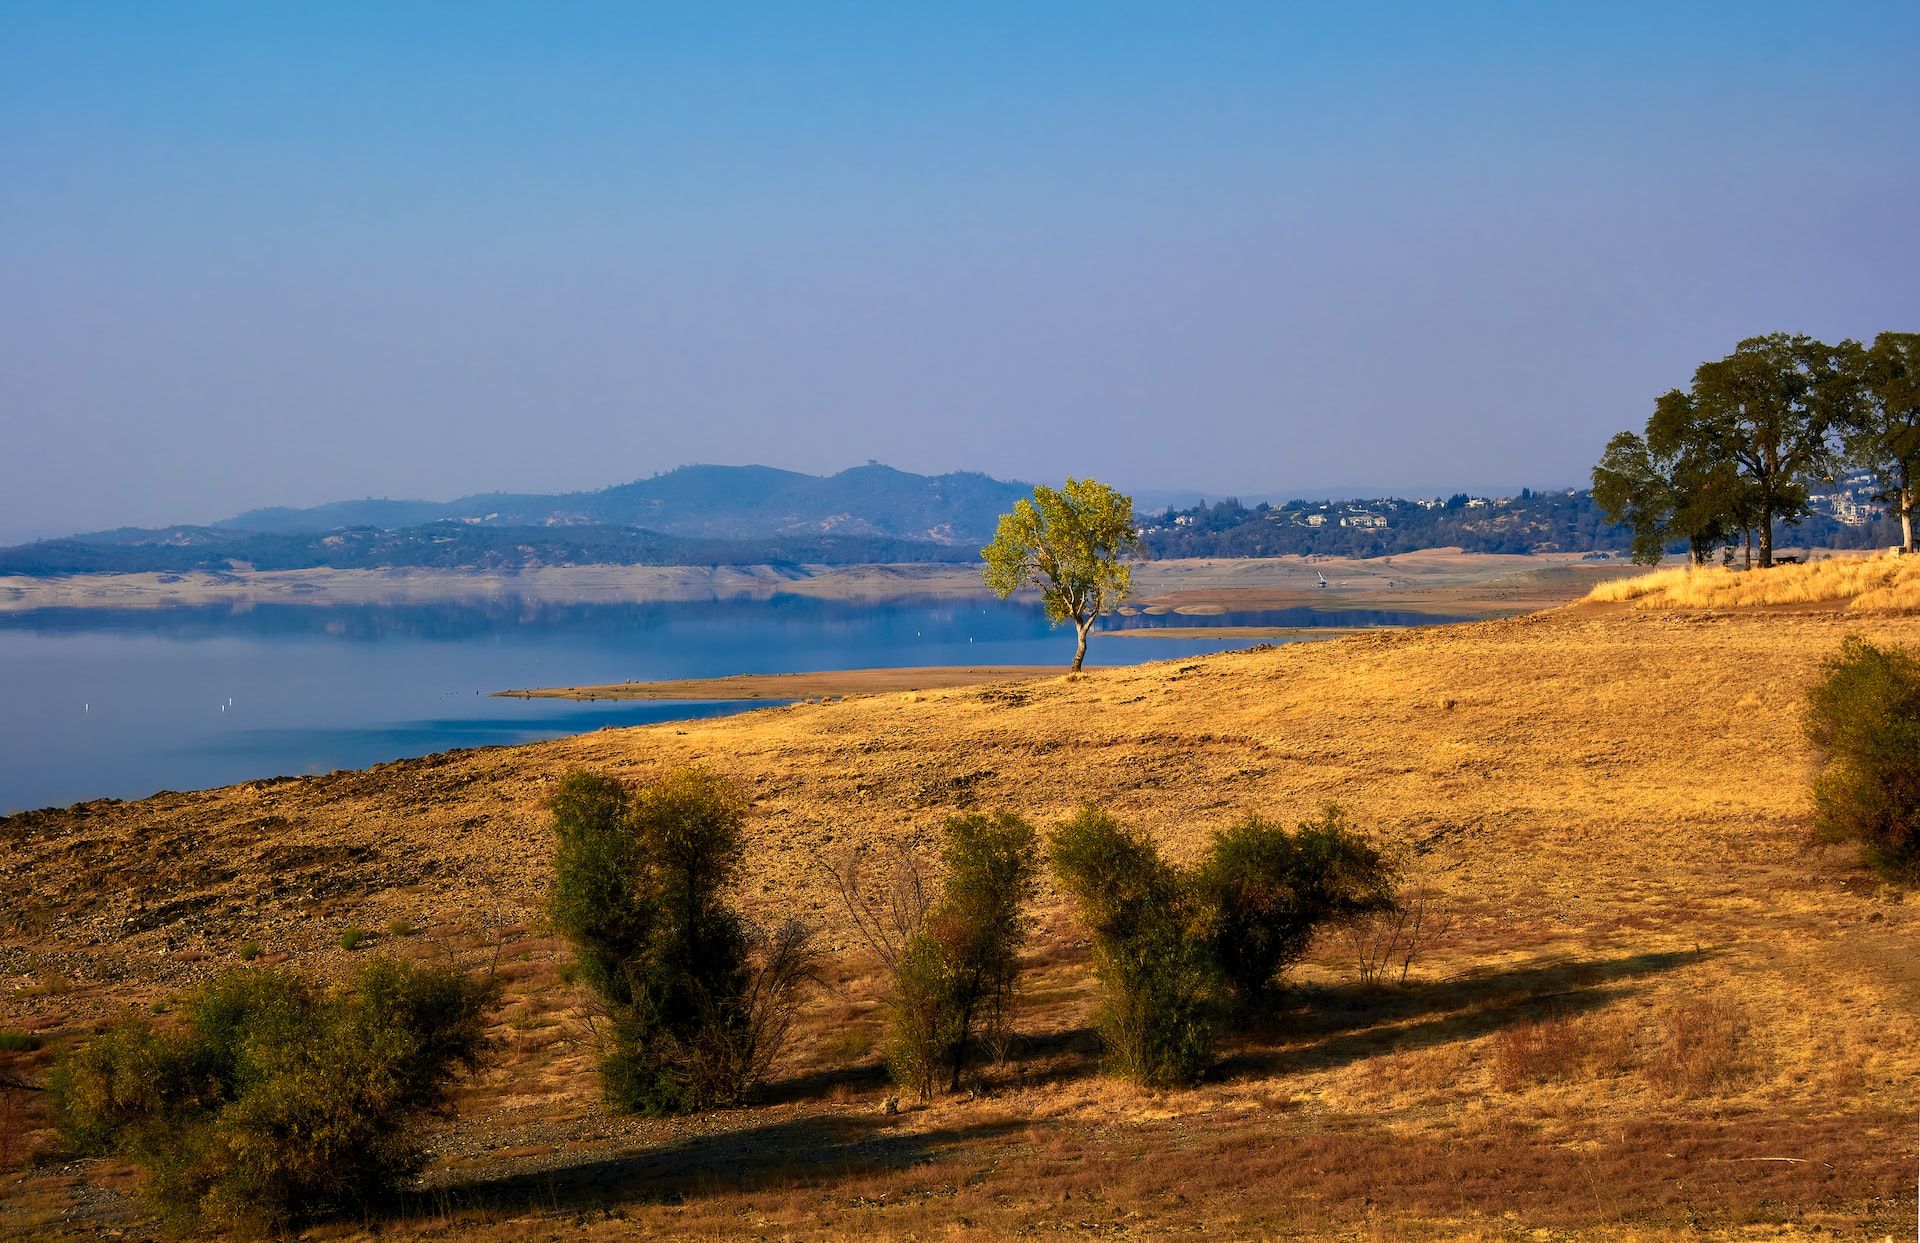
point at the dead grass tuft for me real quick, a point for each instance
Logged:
(1702, 1048)
(1882, 584)
(1537, 1051)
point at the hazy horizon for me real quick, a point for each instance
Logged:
(263, 256)
(1142, 494)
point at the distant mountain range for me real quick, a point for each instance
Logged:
(873, 514)
(697, 515)
(708, 502)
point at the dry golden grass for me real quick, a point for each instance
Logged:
(1612, 806)
(1877, 584)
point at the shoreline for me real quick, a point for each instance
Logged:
(1445, 581)
(787, 687)
(1292, 634)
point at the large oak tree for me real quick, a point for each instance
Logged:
(1771, 407)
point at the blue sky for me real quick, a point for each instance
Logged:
(256, 254)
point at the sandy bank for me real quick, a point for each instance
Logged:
(832, 684)
(1436, 580)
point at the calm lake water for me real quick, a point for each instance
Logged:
(123, 702)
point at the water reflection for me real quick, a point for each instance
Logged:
(122, 702)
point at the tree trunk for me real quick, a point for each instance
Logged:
(1766, 539)
(1080, 653)
(1906, 513)
(1748, 563)
(958, 1054)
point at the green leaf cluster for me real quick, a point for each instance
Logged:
(277, 1098)
(1181, 952)
(954, 981)
(1736, 451)
(1072, 543)
(692, 992)
(1865, 714)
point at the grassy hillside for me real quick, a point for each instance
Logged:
(1661, 1008)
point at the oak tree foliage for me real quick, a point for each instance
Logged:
(1073, 544)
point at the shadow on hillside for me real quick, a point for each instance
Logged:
(814, 1085)
(809, 1150)
(1326, 1028)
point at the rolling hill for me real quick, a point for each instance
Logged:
(1660, 1008)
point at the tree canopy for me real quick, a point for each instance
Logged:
(1071, 543)
(1769, 406)
(1882, 428)
(1738, 450)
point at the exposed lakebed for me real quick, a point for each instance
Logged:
(98, 702)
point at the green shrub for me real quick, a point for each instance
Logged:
(1865, 714)
(954, 957)
(12, 1041)
(1180, 951)
(249, 950)
(400, 926)
(352, 937)
(275, 1099)
(1268, 891)
(697, 1000)
(978, 927)
(1160, 987)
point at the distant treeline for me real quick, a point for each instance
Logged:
(448, 545)
(1557, 521)
(1530, 522)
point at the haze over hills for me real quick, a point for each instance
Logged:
(872, 514)
(711, 502)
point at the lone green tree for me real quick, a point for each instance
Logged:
(1073, 544)
(1882, 430)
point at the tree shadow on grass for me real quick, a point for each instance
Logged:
(798, 1151)
(1326, 1028)
(866, 1076)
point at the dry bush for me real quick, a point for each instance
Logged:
(1701, 1047)
(1386, 944)
(14, 1123)
(1871, 584)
